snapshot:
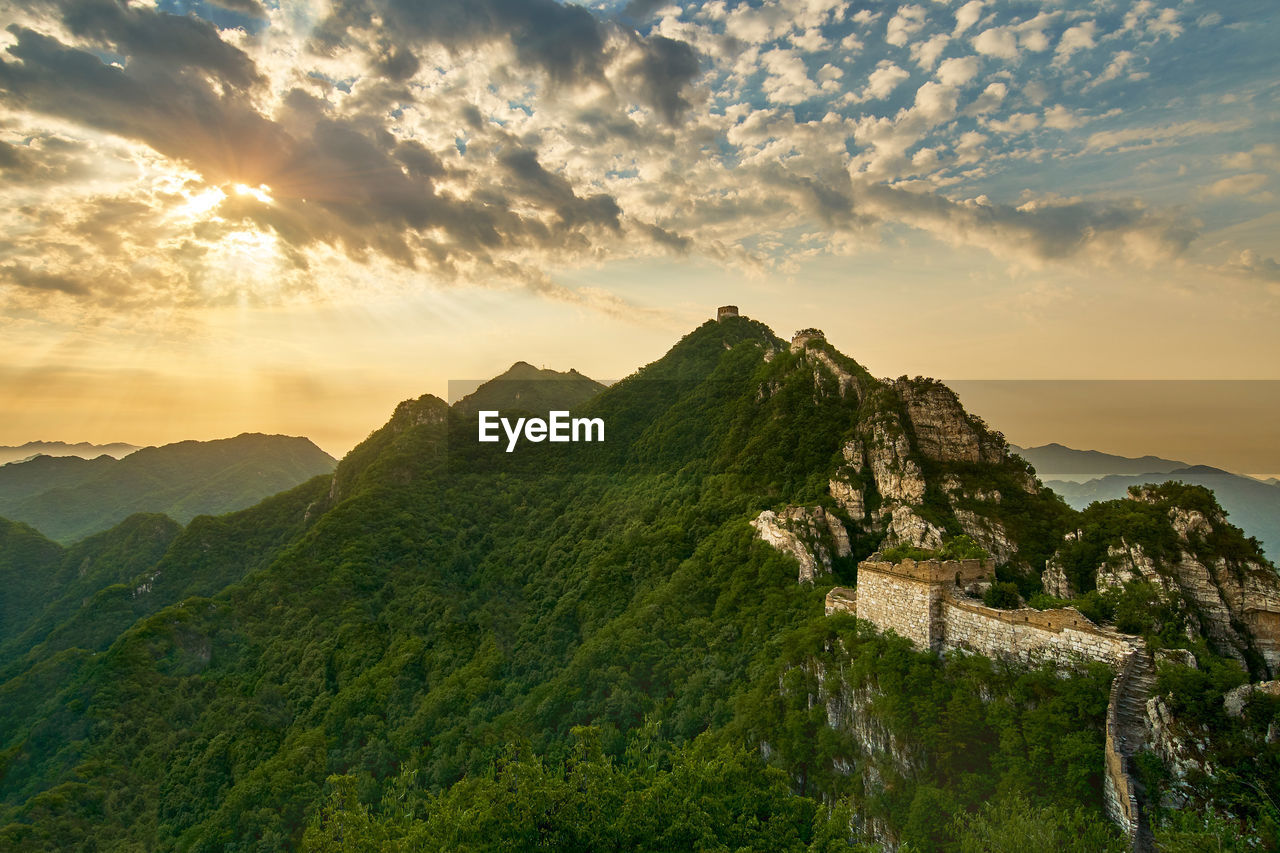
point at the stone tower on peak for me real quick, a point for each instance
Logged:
(802, 337)
(726, 311)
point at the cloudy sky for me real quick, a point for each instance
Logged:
(251, 215)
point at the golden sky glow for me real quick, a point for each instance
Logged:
(287, 217)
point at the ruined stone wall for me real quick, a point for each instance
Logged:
(900, 603)
(1061, 636)
(921, 602)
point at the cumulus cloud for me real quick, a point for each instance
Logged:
(1075, 39)
(968, 15)
(926, 53)
(492, 140)
(885, 79)
(1000, 42)
(908, 21)
(958, 70)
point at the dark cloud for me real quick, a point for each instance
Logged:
(555, 192)
(1049, 231)
(667, 239)
(179, 114)
(341, 180)
(45, 160)
(641, 10)
(169, 40)
(252, 8)
(566, 41)
(663, 72)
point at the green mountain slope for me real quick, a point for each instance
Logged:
(22, 480)
(583, 646)
(1253, 505)
(180, 480)
(526, 388)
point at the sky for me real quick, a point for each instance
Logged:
(231, 216)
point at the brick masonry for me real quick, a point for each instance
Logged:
(924, 602)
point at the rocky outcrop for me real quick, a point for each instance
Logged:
(1126, 563)
(987, 532)
(1055, 580)
(1181, 751)
(1206, 573)
(810, 534)
(845, 485)
(888, 453)
(851, 709)
(944, 431)
(1228, 597)
(849, 497)
(906, 527)
(845, 381)
(1236, 698)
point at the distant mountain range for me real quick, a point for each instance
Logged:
(67, 498)
(83, 449)
(1253, 505)
(1057, 462)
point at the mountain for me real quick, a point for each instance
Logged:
(622, 644)
(526, 388)
(1056, 462)
(1252, 505)
(28, 478)
(68, 498)
(83, 449)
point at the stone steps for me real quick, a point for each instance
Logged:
(1126, 736)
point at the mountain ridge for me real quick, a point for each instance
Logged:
(436, 619)
(183, 479)
(83, 449)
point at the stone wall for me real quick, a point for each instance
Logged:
(1062, 636)
(925, 603)
(901, 603)
(922, 602)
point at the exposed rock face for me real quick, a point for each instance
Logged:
(850, 709)
(1055, 578)
(987, 532)
(846, 381)
(842, 486)
(1127, 563)
(906, 527)
(1235, 699)
(1228, 596)
(807, 533)
(943, 430)
(897, 476)
(1181, 753)
(849, 497)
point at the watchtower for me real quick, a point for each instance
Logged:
(726, 311)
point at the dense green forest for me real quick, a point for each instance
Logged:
(68, 498)
(581, 647)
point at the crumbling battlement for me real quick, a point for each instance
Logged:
(924, 602)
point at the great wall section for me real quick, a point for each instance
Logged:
(926, 602)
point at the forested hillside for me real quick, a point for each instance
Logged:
(587, 646)
(68, 498)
